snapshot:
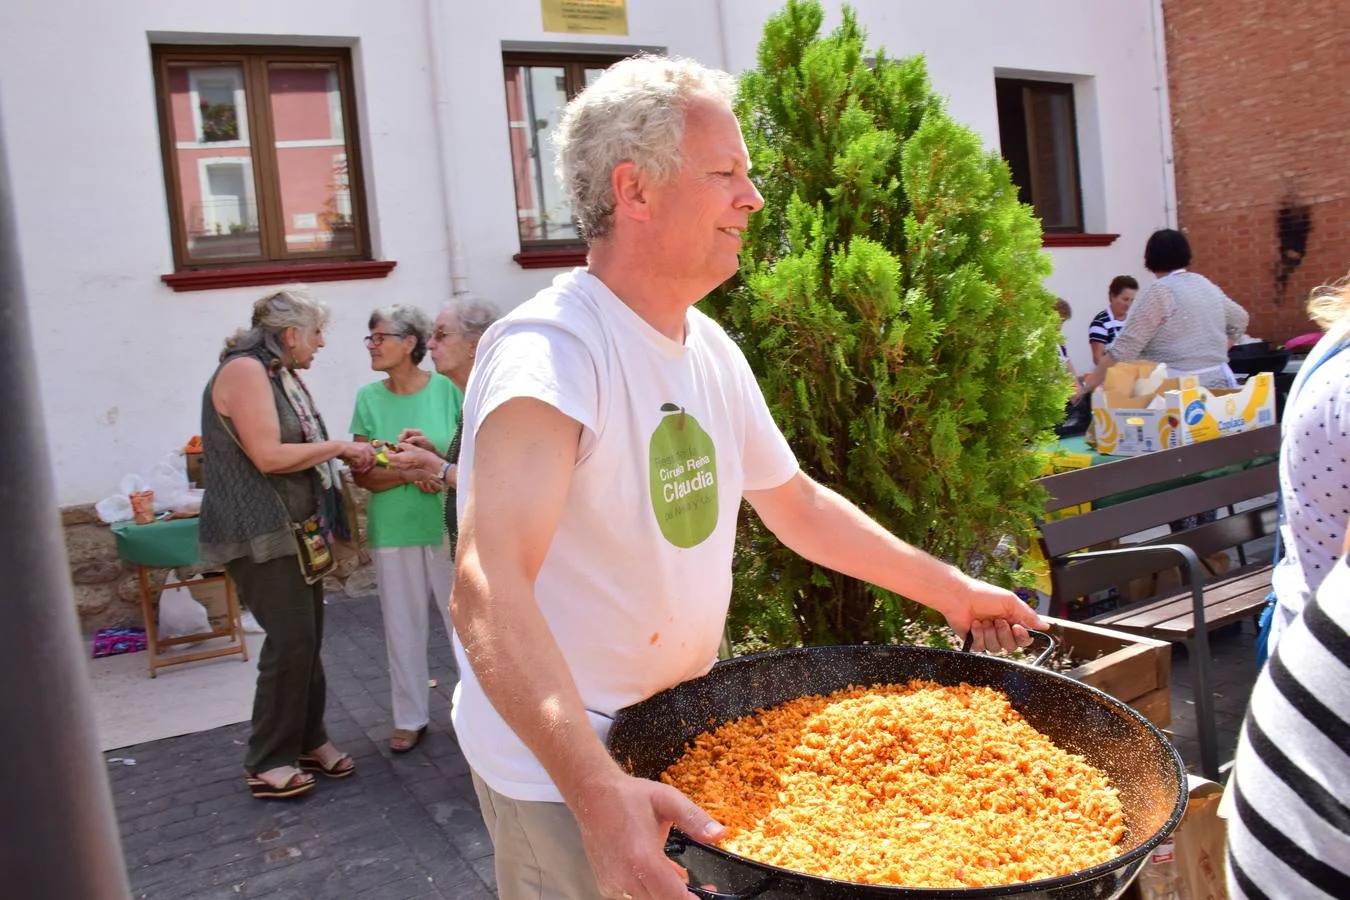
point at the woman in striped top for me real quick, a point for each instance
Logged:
(1290, 833)
(1107, 323)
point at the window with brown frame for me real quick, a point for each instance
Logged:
(1038, 133)
(538, 86)
(260, 156)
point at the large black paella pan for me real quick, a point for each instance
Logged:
(648, 737)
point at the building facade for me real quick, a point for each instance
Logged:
(171, 161)
(1260, 97)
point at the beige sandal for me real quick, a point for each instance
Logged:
(403, 740)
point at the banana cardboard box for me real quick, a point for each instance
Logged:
(1142, 409)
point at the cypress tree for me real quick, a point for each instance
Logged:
(890, 302)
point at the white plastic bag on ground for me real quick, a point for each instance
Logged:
(179, 613)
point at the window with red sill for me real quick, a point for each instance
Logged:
(1038, 134)
(538, 86)
(261, 165)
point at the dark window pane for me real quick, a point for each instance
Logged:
(1054, 166)
(1037, 136)
(535, 97)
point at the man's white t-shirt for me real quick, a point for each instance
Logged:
(637, 580)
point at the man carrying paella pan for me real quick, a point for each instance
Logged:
(610, 433)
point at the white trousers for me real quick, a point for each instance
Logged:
(409, 578)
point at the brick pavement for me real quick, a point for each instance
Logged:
(402, 826)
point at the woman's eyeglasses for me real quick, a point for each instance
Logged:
(376, 338)
(442, 333)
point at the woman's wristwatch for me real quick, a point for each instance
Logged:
(445, 469)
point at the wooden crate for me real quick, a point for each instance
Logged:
(1135, 670)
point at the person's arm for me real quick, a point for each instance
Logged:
(417, 464)
(825, 528)
(243, 392)
(382, 478)
(525, 451)
(1235, 320)
(1098, 349)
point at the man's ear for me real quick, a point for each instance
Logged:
(630, 192)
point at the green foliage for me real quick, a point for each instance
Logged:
(890, 303)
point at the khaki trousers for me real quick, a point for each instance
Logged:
(539, 854)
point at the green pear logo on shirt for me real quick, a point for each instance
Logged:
(683, 478)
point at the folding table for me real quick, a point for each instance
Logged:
(170, 544)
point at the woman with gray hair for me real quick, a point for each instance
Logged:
(268, 466)
(453, 346)
(403, 519)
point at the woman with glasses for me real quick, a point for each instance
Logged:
(454, 346)
(404, 518)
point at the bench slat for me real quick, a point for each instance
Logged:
(1171, 617)
(1083, 577)
(1133, 473)
(1102, 525)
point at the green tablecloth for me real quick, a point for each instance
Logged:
(161, 545)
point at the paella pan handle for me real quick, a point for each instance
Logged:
(1041, 635)
(677, 843)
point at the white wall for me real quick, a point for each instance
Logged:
(1107, 48)
(124, 359)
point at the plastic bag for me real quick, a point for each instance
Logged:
(167, 478)
(179, 614)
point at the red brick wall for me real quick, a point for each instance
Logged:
(1260, 95)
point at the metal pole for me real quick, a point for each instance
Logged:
(60, 838)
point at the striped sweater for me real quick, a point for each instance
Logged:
(1289, 836)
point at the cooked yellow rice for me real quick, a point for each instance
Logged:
(917, 785)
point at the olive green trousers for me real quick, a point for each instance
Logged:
(288, 704)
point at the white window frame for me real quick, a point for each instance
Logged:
(195, 76)
(203, 181)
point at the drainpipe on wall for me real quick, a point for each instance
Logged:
(443, 118)
(722, 35)
(1164, 115)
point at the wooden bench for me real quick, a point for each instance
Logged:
(1143, 492)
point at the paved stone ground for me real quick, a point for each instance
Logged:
(402, 826)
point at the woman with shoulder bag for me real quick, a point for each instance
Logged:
(270, 511)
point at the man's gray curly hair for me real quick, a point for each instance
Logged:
(634, 111)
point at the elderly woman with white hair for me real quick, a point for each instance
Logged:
(404, 519)
(269, 466)
(453, 348)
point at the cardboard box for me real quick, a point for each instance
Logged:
(212, 596)
(1160, 412)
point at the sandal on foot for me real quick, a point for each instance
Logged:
(342, 765)
(294, 786)
(403, 739)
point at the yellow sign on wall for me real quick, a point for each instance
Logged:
(586, 16)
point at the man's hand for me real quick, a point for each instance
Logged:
(624, 824)
(995, 618)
